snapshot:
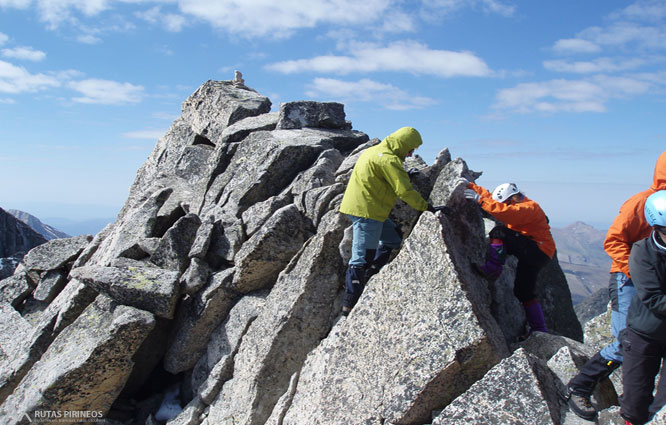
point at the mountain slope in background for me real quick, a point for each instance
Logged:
(580, 251)
(16, 238)
(80, 227)
(49, 232)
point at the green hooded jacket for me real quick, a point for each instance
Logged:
(379, 178)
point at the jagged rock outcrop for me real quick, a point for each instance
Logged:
(222, 278)
(413, 343)
(533, 400)
(16, 238)
(592, 306)
(86, 366)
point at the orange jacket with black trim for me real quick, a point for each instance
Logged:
(525, 217)
(630, 225)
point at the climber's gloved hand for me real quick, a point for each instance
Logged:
(446, 210)
(470, 194)
(413, 172)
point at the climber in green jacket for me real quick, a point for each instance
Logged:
(377, 180)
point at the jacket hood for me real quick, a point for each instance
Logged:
(659, 180)
(407, 138)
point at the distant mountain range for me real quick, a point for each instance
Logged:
(49, 232)
(580, 251)
(80, 227)
(16, 238)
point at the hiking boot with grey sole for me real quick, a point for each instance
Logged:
(582, 406)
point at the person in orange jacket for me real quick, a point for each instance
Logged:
(629, 226)
(525, 234)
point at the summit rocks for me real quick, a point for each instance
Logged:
(222, 278)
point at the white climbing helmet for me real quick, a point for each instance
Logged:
(503, 192)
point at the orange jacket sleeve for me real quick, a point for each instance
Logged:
(513, 214)
(630, 224)
(526, 218)
(628, 227)
(480, 190)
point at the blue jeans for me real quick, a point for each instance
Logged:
(620, 299)
(369, 234)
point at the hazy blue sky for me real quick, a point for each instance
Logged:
(565, 98)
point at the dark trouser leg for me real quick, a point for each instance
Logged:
(660, 398)
(603, 363)
(530, 262)
(365, 237)
(389, 240)
(534, 316)
(525, 282)
(523, 288)
(379, 259)
(354, 284)
(642, 359)
(593, 371)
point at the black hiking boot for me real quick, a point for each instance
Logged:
(581, 405)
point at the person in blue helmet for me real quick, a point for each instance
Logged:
(629, 227)
(644, 339)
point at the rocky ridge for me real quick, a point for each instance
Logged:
(16, 238)
(221, 281)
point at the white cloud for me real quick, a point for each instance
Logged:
(106, 92)
(24, 53)
(403, 56)
(623, 33)
(170, 21)
(264, 18)
(7, 101)
(173, 22)
(366, 90)
(398, 22)
(279, 19)
(19, 4)
(561, 95)
(645, 10)
(498, 7)
(55, 12)
(637, 26)
(88, 39)
(599, 65)
(3, 38)
(576, 45)
(434, 9)
(151, 15)
(14, 79)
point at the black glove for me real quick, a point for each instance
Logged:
(413, 172)
(446, 210)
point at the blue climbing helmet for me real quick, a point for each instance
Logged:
(655, 209)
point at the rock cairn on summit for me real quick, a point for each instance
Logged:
(220, 283)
